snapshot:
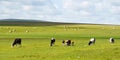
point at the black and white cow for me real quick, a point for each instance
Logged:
(92, 41)
(52, 42)
(112, 40)
(16, 42)
(68, 42)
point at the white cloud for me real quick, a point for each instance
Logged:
(99, 6)
(85, 4)
(68, 4)
(75, 4)
(27, 7)
(6, 2)
(41, 0)
(84, 13)
(115, 10)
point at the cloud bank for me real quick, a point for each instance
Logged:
(79, 11)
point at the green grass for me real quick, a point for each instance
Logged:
(35, 43)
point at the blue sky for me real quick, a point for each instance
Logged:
(79, 11)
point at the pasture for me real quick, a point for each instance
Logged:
(36, 40)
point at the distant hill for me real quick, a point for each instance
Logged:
(24, 22)
(20, 20)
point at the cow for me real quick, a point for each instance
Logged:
(16, 42)
(111, 40)
(52, 42)
(92, 41)
(68, 42)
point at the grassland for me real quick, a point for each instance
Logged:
(36, 40)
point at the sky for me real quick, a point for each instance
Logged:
(77, 11)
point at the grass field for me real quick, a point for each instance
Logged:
(36, 40)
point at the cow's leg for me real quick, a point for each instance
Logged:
(67, 44)
(19, 44)
(112, 41)
(51, 44)
(93, 42)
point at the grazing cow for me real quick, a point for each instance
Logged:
(52, 42)
(16, 42)
(92, 41)
(112, 40)
(68, 42)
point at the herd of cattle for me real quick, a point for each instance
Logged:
(18, 41)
